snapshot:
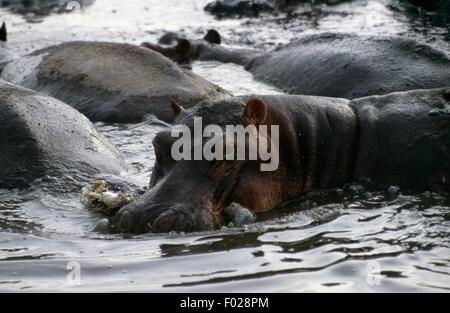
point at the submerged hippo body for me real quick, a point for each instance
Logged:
(110, 82)
(6, 56)
(230, 8)
(439, 6)
(240, 8)
(340, 65)
(43, 137)
(44, 7)
(397, 139)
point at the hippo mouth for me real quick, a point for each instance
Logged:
(157, 219)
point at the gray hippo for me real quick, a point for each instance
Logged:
(240, 8)
(440, 6)
(44, 7)
(110, 82)
(399, 139)
(41, 137)
(335, 64)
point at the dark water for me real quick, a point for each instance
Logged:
(346, 240)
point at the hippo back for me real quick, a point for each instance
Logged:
(404, 138)
(41, 136)
(110, 82)
(352, 66)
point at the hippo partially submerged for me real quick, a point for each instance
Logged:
(110, 82)
(239, 8)
(440, 6)
(44, 7)
(397, 139)
(42, 137)
(337, 65)
(229, 8)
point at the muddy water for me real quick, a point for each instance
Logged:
(346, 240)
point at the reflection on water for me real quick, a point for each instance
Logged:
(232, 77)
(364, 244)
(342, 240)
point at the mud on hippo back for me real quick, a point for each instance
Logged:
(336, 64)
(43, 139)
(397, 139)
(110, 82)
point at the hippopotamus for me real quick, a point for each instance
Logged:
(42, 138)
(337, 64)
(240, 8)
(227, 8)
(110, 82)
(400, 139)
(44, 7)
(439, 6)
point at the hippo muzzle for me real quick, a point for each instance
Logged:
(174, 204)
(157, 218)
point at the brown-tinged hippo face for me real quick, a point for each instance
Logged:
(190, 195)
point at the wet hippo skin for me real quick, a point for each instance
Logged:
(110, 82)
(440, 6)
(240, 8)
(43, 7)
(397, 139)
(230, 8)
(41, 136)
(339, 65)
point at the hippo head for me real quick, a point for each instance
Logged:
(190, 195)
(179, 49)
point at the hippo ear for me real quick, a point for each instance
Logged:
(147, 45)
(183, 49)
(3, 33)
(177, 109)
(213, 36)
(255, 111)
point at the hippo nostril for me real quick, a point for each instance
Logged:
(164, 223)
(125, 221)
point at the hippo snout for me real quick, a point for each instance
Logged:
(132, 221)
(161, 219)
